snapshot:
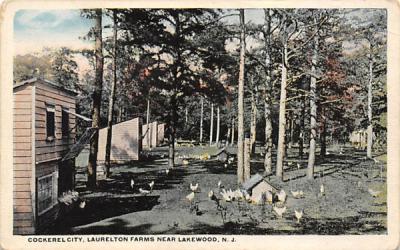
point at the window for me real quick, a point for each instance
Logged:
(47, 192)
(50, 122)
(65, 123)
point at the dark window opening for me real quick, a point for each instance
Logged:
(50, 122)
(64, 123)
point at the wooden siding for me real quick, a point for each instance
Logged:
(152, 133)
(160, 133)
(22, 162)
(52, 150)
(125, 145)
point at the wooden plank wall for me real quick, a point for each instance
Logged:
(22, 145)
(152, 133)
(160, 133)
(125, 144)
(45, 150)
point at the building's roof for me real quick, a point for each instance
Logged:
(253, 181)
(46, 82)
(257, 178)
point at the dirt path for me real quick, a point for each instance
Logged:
(346, 207)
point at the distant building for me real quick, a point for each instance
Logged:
(126, 142)
(44, 131)
(153, 134)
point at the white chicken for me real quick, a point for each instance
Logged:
(219, 184)
(194, 187)
(373, 192)
(82, 204)
(132, 183)
(185, 162)
(298, 215)
(281, 195)
(225, 165)
(239, 194)
(167, 171)
(144, 191)
(226, 196)
(151, 185)
(297, 194)
(279, 211)
(322, 189)
(298, 166)
(210, 194)
(190, 197)
(247, 197)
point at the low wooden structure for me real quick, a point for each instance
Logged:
(44, 130)
(160, 133)
(126, 142)
(258, 185)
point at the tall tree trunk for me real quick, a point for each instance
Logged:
(218, 127)
(228, 134)
(313, 109)
(282, 111)
(148, 132)
(268, 94)
(253, 122)
(112, 98)
(201, 119)
(98, 84)
(323, 139)
(370, 126)
(211, 123)
(186, 116)
(301, 133)
(233, 131)
(240, 167)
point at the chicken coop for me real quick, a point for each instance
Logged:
(160, 133)
(43, 132)
(126, 142)
(258, 185)
(150, 135)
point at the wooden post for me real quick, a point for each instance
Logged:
(247, 151)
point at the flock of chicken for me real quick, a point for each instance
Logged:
(276, 199)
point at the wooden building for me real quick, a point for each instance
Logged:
(160, 133)
(44, 130)
(126, 142)
(150, 135)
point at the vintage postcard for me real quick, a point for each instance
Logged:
(213, 124)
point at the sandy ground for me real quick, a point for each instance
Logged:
(346, 208)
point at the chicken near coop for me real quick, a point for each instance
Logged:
(167, 171)
(219, 184)
(185, 162)
(225, 196)
(190, 197)
(298, 214)
(132, 183)
(279, 211)
(374, 193)
(144, 191)
(194, 187)
(82, 204)
(151, 185)
(297, 194)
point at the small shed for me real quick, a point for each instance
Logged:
(125, 142)
(160, 133)
(258, 185)
(150, 135)
(44, 131)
